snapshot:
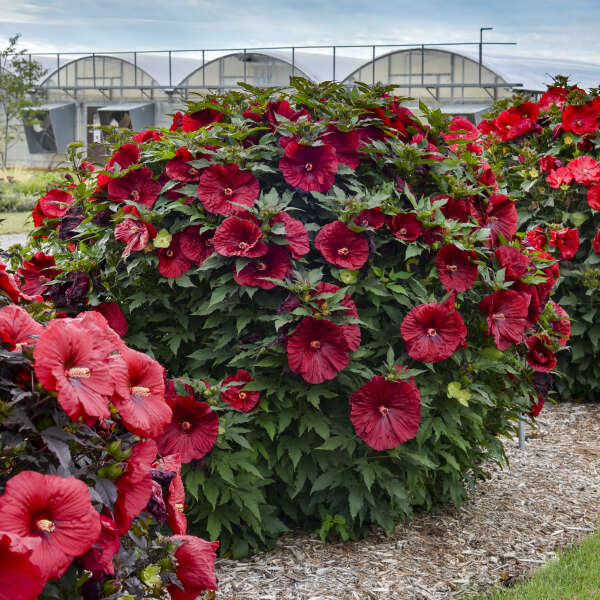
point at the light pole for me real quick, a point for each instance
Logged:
(481, 30)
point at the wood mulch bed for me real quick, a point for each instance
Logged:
(513, 523)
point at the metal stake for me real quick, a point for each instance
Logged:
(521, 433)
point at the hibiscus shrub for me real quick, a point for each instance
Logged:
(83, 492)
(546, 154)
(346, 294)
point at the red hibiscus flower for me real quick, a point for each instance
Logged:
(558, 177)
(295, 234)
(584, 170)
(135, 233)
(580, 119)
(200, 118)
(556, 96)
(71, 362)
(284, 109)
(566, 240)
(233, 392)
(192, 432)
(195, 567)
(536, 405)
(499, 216)
(515, 263)
(57, 511)
(593, 197)
(317, 350)
(596, 242)
(386, 413)
(140, 395)
(540, 357)
(135, 485)
(176, 499)
(179, 168)
(135, 186)
(37, 272)
(455, 209)
(461, 129)
(345, 144)
(506, 316)
(8, 284)
(113, 314)
(406, 226)
(196, 246)
(55, 204)
(274, 264)
(18, 328)
(239, 237)
(456, 270)
(21, 579)
(148, 135)
(125, 156)
(222, 187)
(99, 558)
(536, 238)
(172, 261)
(560, 323)
(342, 247)
(177, 122)
(432, 332)
(511, 123)
(310, 168)
(370, 217)
(548, 163)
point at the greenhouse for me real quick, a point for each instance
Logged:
(138, 89)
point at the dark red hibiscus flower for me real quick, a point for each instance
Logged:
(433, 332)
(172, 261)
(134, 232)
(566, 240)
(74, 364)
(584, 170)
(99, 558)
(195, 567)
(580, 119)
(192, 432)
(140, 395)
(222, 187)
(21, 579)
(456, 269)
(540, 357)
(536, 405)
(317, 350)
(125, 156)
(295, 234)
(593, 197)
(284, 109)
(455, 209)
(548, 163)
(171, 465)
(8, 284)
(310, 168)
(177, 122)
(341, 246)
(180, 169)
(148, 135)
(196, 246)
(233, 392)
(506, 316)
(461, 129)
(536, 238)
(406, 226)
(239, 237)
(386, 413)
(37, 272)
(515, 263)
(135, 186)
(370, 217)
(345, 144)
(596, 242)
(113, 314)
(499, 216)
(56, 511)
(55, 204)
(200, 118)
(556, 96)
(274, 264)
(560, 323)
(17, 327)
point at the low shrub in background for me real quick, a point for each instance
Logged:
(341, 283)
(21, 189)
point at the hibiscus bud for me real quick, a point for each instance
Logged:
(112, 586)
(348, 276)
(114, 447)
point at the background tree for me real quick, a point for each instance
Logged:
(18, 74)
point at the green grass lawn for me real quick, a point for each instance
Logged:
(15, 222)
(575, 575)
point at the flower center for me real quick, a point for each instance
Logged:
(431, 331)
(208, 243)
(261, 266)
(228, 191)
(498, 316)
(308, 167)
(343, 251)
(365, 223)
(186, 426)
(452, 267)
(170, 253)
(579, 123)
(315, 344)
(242, 395)
(19, 346)
(194, 171)
(78, 373)
(384, 410)
(179, 507)
(45, 525)
(493, 219)
(138, 390)
(243, 245)
(135, 195)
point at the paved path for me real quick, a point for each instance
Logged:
(9, 239)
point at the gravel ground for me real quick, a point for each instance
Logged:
(8, 239)
(548, 498)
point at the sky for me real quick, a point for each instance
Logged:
(543, 28)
